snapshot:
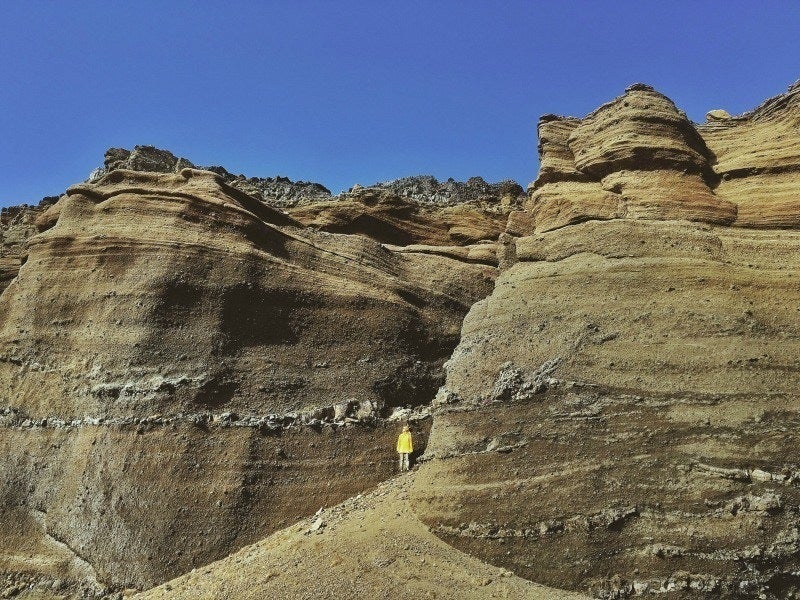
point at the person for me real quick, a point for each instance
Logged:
(405, 446)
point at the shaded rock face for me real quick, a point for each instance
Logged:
(168, 292)
(640, 157)
(17, 224)
(112, 507)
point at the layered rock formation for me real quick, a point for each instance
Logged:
(620, 414)
(639, 157)
(169, 328)
(411, 210)
(387, 217)
(276, 191)
(184, 360)
(17, 224)
(757, 158)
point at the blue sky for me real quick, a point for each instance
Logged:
(357, 92)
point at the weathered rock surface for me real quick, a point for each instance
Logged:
(639, 157)
(620, 415)
(17, 224)
(383, 215)
(371, 546)
(184, 360)
(758, 161)
(168, 292)
(409, 210)
(276, 191)
(157, 296)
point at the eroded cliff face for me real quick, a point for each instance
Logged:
(173, 293)
(184, 360)
(620, 415)
(410, 210)
(17, 224)
(181, 361)
(639, 157)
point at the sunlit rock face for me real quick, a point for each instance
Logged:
(639, 157)
(757, 158)
(620, 415)
(177, 355)
(612, 364)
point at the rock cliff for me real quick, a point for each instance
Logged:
(611, 363)
(175, 353)
(17, 224)
(639, 157)
(620, 414)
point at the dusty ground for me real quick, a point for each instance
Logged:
(371, 546)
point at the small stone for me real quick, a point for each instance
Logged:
(317, 526)
(718, 114)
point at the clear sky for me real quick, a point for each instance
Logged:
(345, 92)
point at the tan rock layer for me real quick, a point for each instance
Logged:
(140, 505)
(640, 148)
(620, 415)
(157, 291)
(392, 219)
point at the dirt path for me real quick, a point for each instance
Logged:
(370, 546)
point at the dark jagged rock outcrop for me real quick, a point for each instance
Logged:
(426, 189)
(276, 191)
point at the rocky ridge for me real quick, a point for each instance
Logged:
(285, 193)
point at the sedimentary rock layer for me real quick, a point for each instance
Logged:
(162, 293)
(17, 224)
(114, 507)
(409, 210)
(619, 415)
(157, 296)
(639, 157)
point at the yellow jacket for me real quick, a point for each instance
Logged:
(404, 443)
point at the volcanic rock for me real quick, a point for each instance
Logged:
(185, 365)
(158, 297)
(758, 162)
(718, 114)
(17, 224)
(662, 439)
(276, 191)
(640, 157)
